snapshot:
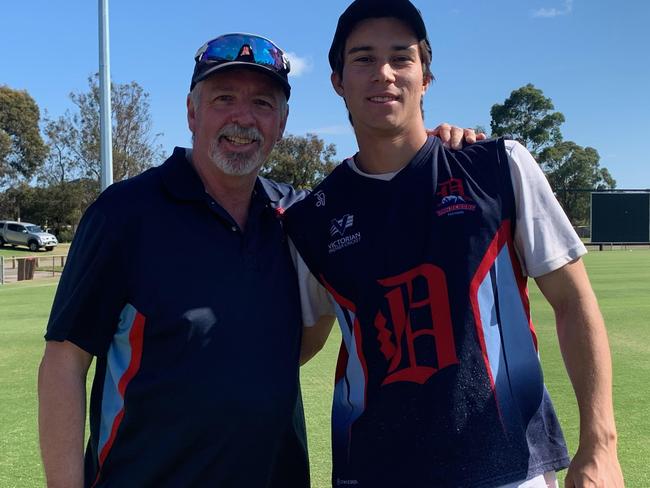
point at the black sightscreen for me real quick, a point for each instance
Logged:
(620, 217)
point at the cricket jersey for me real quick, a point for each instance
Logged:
(438, 382)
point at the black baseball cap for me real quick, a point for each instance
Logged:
(365, 9)
(249, 50)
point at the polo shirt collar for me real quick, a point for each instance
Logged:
(180, 178)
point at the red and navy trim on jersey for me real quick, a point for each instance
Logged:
(503, 326)
(351, 377)
(438, 381)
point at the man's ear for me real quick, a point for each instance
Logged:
(426, 83)
(191, 114)
(337, 83)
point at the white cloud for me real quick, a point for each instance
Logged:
(549, 13)
(299, 66)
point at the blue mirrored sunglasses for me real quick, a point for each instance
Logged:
(244, 47)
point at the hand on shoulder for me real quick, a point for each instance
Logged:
(456, 137)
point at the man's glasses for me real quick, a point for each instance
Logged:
(244, 47)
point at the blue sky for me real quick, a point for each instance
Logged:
(589, 56)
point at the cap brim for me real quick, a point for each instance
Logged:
(286, 88)
(361, 10)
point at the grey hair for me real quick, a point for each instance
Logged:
(195, 95)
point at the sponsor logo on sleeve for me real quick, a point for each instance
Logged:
(340, 226)
(339, 229)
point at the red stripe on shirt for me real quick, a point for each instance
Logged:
(356, 332)
(136, 339)
(484, 268)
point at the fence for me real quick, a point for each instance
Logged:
(623, 212)
(616, 246)
(13, 269)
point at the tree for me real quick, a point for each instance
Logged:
(58, 206)
(75, 138)
(22, 150)
(573, 171)
(61, 164)
(528, 117)
(13, 199)
(302, 161)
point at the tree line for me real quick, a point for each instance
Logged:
(530, 118)
(50, 167)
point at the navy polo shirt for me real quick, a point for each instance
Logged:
(196, 328)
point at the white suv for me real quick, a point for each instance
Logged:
(24, 234)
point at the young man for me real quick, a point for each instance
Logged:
(425, 252)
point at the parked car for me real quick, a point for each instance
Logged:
(25, 234)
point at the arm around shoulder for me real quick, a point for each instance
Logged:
(317, 309)
(315, 337)
(62, 412)
(585, 349)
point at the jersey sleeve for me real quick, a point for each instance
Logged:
(90, 295)
(315, 301)
(544, 237)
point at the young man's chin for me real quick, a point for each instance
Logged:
(381, 124)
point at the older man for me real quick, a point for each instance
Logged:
(180, 283)
(425, 251)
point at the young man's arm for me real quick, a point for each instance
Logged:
(62, 413)
(315, 337)
(316, 306)
(585, 349)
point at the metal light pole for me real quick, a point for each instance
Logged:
(106, 151)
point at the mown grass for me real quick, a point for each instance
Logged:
(24, 308)
(621, 280)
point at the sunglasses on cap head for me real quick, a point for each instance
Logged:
(241, 49)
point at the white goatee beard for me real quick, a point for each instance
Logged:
(233, 163)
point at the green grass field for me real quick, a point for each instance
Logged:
(621, 280)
